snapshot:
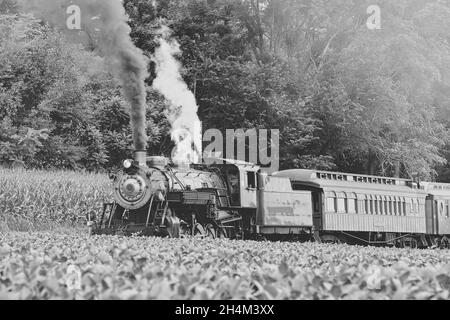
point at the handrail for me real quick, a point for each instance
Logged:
(149, 210)
(175, 177)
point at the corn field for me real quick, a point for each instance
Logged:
(38, 200)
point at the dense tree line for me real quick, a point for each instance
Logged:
(344, 97)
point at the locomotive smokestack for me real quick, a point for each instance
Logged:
(141, 157)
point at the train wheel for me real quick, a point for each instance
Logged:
(330, 238)
(121, 230)
(434, 241)
(239, 231)
(234, 233)
(222, 233)
(172, 225)
(260, 237)
(444, 243)
(210, 231)
(408, 242)
(239, 235)
(185, 229)
(205, 231)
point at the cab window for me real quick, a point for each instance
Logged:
(251, 180)
(232, 175)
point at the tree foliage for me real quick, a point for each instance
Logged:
(344, 97)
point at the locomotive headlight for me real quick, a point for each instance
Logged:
(127, 164)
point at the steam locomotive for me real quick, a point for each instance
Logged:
(237, 200)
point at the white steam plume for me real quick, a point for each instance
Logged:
(186, 126)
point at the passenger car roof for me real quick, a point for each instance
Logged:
(436, 188)
(349, 182)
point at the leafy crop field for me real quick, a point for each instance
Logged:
(38, 265)
(40, 261)
(38, 200)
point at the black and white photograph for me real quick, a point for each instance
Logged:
(224, 156)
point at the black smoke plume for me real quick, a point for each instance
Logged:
(106, 22)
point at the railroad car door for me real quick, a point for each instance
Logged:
(317, 203)
(436, 217)
(248, 188)
(430, 215)
(317, 209)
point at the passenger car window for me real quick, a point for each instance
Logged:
(341, 205)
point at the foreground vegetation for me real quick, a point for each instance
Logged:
(37, 266)
(39, 200)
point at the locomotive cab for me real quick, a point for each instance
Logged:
(241, 178)
(267, 204)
